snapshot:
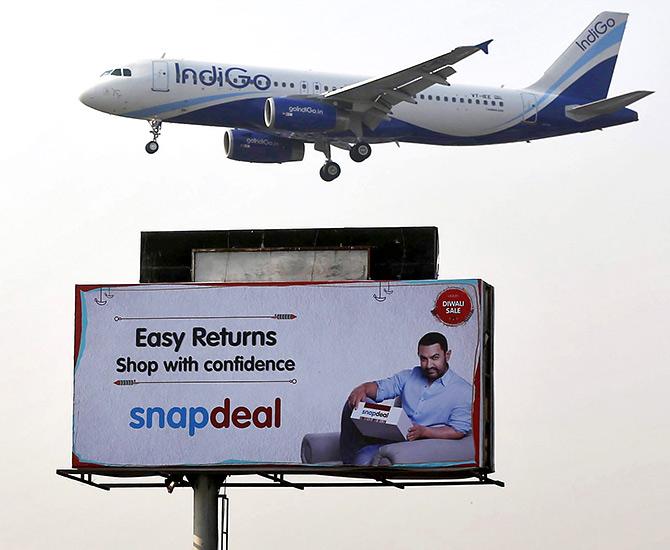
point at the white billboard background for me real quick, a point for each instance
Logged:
(342, 336)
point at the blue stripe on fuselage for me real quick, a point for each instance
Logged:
(244, 113)
(248, 113)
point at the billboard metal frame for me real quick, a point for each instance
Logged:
(179, 478)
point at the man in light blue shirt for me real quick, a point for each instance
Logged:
(436, 400)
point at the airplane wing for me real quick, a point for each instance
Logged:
(373, 99)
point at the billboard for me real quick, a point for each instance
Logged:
(305, 377)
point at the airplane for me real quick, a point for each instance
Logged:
(273, 113)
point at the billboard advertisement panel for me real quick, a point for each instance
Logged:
(284, 376)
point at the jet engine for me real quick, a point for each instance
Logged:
(302, 115)
(249, 146)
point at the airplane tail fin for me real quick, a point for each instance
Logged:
(584, 70)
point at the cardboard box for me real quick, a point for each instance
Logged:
(381, 421)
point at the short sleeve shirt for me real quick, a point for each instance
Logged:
(445, 402)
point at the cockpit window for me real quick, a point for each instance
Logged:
(118, 72)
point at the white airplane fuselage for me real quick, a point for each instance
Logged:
(216, 94)
(272, 113)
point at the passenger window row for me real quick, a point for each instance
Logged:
(493, 102)
(304, 86)
(317, 89)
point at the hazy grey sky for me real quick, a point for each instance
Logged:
(573, 232)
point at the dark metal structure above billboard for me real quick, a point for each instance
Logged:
(395, 253)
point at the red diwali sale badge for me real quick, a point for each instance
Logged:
(453, 307)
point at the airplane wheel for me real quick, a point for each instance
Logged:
(360, 151)
(151, 147)
(330, 171)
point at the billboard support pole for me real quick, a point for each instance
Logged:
(225, 517)
(205, 511)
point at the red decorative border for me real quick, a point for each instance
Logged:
(76, 463)
(80, 289)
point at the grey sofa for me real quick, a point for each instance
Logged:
(324, 448)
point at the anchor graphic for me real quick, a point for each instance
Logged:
(381, 297)
(388, 288)
(100, 301)
(107, 293)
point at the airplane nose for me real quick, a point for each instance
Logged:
(105, 98)
(96, 97)
(88, 97)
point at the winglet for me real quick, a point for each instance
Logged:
(484, 46)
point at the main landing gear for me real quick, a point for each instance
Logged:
(358, 152)
(330, 170)
(152, 146)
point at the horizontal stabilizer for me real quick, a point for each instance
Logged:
(580, 113)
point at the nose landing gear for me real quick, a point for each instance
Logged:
(152, 146)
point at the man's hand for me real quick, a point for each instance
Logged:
(361, 393)
(418, 432)
(356, 396)
(437, 432)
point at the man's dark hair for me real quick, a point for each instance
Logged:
(434, 338)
